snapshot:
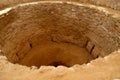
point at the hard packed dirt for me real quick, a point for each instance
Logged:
(56, 54)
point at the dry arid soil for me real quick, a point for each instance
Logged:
(55, 40)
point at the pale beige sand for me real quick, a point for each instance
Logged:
(107, 68)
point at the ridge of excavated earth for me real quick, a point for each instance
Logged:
(107, 68)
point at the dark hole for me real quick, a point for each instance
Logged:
(31, 45)
(58, 64)
(92, 49)
(97, 56)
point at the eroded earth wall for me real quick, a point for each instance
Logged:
(115, 4)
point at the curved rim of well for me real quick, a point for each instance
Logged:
(102, 9)
(113, 13)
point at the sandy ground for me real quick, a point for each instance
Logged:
(107, 68)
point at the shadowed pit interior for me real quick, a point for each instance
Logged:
(57, 34)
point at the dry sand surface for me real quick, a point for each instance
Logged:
(107, 68)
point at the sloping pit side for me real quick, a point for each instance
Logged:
(57, 34)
